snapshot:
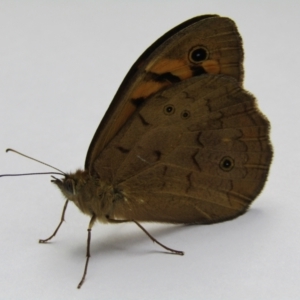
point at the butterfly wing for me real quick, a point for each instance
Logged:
(206, 44)
(198, 151)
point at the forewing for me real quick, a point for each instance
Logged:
(167, 62)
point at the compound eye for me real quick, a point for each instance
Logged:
(69, 186)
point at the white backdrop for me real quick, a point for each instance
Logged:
(60, 64)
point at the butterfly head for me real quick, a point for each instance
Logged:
(71, 184)
(88, 193)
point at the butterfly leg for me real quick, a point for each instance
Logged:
(88, 255)
(61, 221)
(173, 251)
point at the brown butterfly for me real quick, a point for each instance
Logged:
(181, 142)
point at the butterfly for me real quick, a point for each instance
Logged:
(181, 142)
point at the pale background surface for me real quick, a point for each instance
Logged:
(60, 64)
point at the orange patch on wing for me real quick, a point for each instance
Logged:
(177, 67)
(211, 66)
(147, 88)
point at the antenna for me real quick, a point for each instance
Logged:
(42, 173)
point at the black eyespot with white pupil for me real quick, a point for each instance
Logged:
(198, 54)
(227, 163)
(169, 109)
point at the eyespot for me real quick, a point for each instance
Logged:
(197, 54)
(226, 164)
(169, 109)
(185, 114)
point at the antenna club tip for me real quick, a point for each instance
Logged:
(8, 149)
